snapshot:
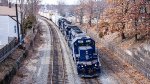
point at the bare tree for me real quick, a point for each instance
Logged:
(90, 6)
(29, 10)
(101, 5)
(80, 10)
(61, 8)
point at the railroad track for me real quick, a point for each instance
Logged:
(107, 66)
(57, 71)
(90, 81)
(69, 58)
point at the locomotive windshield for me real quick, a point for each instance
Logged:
(86, 43)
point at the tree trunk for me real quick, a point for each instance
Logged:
(136, 38)
(135, 25)
(123, 35)
(81, 18)
(90, 23)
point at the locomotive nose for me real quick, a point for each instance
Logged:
(90, 71)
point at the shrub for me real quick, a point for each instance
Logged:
(101, 34)
(28, 22)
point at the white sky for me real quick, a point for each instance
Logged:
(70, 2)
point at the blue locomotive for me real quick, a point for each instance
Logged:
(83, 49)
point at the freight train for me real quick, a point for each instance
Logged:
(83, 49)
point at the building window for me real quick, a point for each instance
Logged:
(15, 30)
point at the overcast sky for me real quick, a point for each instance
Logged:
(69, 2)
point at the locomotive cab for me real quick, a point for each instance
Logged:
(87, 62)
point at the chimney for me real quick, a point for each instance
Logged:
(9, 4)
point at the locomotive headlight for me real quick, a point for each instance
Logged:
(80, 41)
(95, 64)
(81, 65)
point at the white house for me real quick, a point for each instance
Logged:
(8, 24)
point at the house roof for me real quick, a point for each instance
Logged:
(5, 10)
(10, 12)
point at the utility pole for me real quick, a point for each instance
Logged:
(18, 30)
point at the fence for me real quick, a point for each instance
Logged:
(4, 52)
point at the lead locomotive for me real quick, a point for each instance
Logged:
(83, 49)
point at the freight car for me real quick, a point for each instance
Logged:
(83, 49)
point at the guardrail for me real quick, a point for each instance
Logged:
(5, 51)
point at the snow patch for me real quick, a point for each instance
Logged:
(146, 47)
(129, 52)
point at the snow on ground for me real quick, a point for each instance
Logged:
(147, 47)
(35, 68)
(106, 78)
(44, 51)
